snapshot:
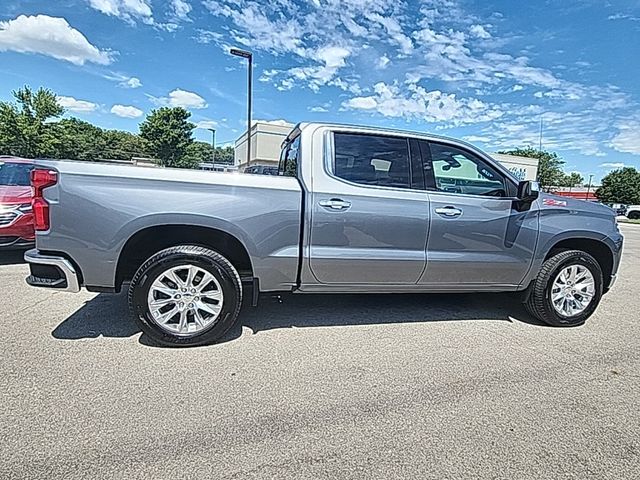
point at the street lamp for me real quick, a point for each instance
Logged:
(213, 144)
(249, 56)
(589, 187)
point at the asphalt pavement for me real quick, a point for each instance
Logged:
(376, 387)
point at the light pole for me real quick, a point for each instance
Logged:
(213, 144)
(249, 56)
(589, 187)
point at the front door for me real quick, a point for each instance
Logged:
(370, 214)
(476, 236)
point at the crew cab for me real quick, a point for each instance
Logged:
(352, 210)
(16, 220)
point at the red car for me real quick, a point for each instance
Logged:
(16, 219)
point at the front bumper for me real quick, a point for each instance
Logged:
(51, 271)
(7, 242)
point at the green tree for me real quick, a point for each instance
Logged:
(75, 139)
(168, 133)
(620, 186)
(225, 155)
(198, 152)
(24, 125)
(120, 145)
(550, 172)
(573, 179)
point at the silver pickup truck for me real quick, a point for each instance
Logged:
(353, 209)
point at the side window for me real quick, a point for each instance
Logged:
(372, 160)
(459, 171)
(289, 157)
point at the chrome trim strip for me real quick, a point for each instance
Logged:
(35, 257)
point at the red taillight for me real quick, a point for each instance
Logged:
(41, 179)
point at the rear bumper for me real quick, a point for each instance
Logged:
(50, 271)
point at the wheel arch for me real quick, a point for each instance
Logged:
(152, 239)
(597, 248)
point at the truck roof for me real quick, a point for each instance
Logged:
(426, 135)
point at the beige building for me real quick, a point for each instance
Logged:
(524, 168)
(267, 138)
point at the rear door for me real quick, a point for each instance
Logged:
(370, 212)
(476, 235)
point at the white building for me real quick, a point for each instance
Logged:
(524, 168)
(267, 138)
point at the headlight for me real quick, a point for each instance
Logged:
(25, 208)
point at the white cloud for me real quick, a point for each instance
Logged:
(612, 165)
(318, 109)
(628, 139)
(479, 31)
(50, 36)
(517, 88)
(361, 103)
(430, 106)
(329, 59)
(279, 122)
(126, 111)
(255, 29)
(476, 138)
(181, 9)
(74, 105)
(127, 10)
(207, 124)
(208, 36)
(133, 82)
(181, 98)
(394, 30)
(383, 62)
(623, 16)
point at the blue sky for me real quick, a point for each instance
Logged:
(484, 71)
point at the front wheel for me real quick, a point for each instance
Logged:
(185, 296)
(567, 290)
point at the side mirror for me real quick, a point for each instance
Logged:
(528, 191)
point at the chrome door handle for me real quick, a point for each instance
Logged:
(449, 211)
(335, 204)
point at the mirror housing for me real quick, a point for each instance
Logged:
(528, 191)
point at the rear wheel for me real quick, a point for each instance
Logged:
(185, 296)
(567, 290)
(634, 215)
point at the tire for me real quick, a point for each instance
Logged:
(634, 215)
(221, 295)
(539, 301)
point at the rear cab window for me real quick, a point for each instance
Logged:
(290, 158)
(369, 159)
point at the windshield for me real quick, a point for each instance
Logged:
(15, 174)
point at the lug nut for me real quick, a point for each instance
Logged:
(191, 305)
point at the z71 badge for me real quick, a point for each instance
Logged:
(552, 202)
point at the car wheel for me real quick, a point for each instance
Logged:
(567, 290)
(185, 296)
(634, 215)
